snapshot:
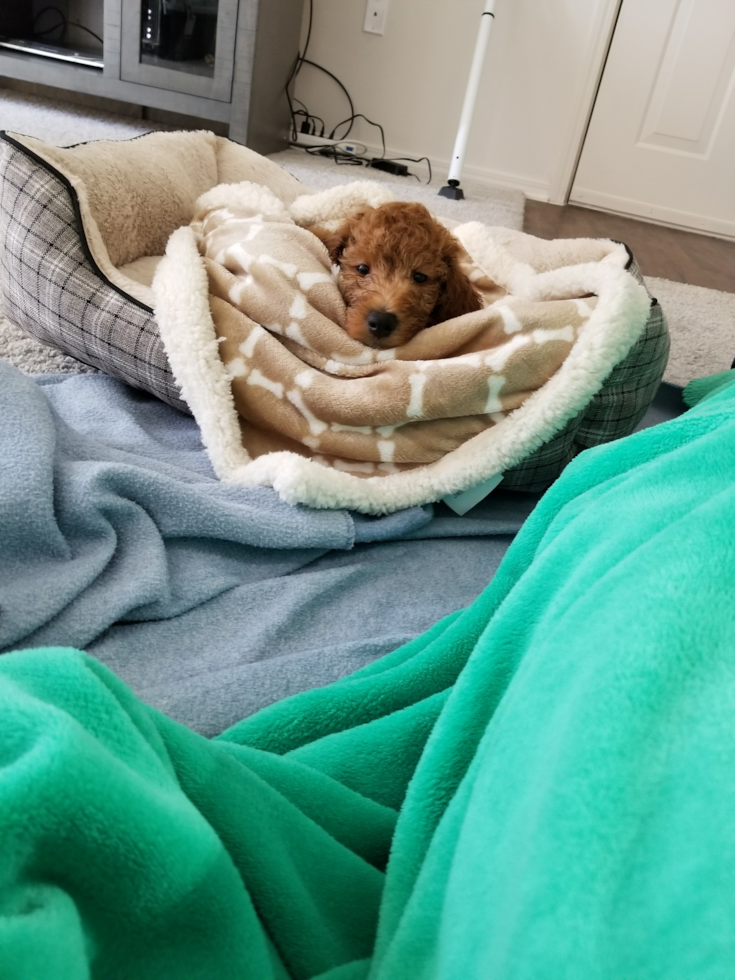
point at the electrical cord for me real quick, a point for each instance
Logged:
(302, 60)
(415, 160)
(309, 120)
(49, 30)
(296, 69)
(351, 148)
(308, 34)
(309, 125)
(290, 102)
(64, 24)
(352, 118)
(81, 27)
(340, 157)
(309, 116)
(306, 61)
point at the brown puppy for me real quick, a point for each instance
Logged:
(399, 273)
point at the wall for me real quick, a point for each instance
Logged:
(543, 60)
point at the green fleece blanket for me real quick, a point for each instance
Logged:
(540, 788)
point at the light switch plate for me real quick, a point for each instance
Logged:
(375, 14)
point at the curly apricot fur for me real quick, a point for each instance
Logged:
(396, 241)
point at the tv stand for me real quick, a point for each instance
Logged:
(229, 64)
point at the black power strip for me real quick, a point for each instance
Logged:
(399, 169)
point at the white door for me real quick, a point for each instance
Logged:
(661, 141)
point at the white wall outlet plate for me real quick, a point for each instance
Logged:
(375, 14)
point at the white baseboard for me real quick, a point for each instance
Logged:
(655, 214)
(536, 190)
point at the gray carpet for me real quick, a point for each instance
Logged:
(702, 321)
(65, 124)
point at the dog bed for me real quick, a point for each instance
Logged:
(82, 227)
(568, 353)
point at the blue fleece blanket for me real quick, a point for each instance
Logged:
(210, 600)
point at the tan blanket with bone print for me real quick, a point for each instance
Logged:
(250, 313)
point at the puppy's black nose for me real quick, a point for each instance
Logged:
(381, 324)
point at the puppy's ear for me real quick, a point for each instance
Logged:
(336, 241)
(458, 295)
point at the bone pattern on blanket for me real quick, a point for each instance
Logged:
(329, 396)
(301, 389)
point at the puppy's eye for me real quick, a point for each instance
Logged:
(419, 277)
(363, 269)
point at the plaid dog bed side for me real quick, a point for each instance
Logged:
(54, 291)
(614, 412)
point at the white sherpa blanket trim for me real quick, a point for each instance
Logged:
(331, 207)
(187, 330)
(189, 338)
(245, 194)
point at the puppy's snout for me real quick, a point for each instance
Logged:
(381, 324)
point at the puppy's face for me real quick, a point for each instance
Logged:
(398, 274)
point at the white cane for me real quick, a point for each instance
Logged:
(453, 189)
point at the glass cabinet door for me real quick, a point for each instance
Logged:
(182, 45)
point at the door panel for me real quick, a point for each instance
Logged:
(661, 141)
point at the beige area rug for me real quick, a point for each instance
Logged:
(702, 327)
(701, 321)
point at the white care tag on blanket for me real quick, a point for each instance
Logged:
(465, 500)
